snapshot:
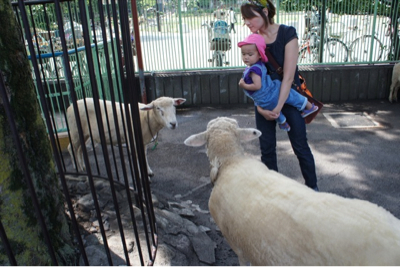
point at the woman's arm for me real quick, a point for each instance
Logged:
(289, 69)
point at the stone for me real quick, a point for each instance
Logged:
(106, 226)
(184, 212)
(91, 240)
(97, 257)
(204, 247)
(166, 256)
(81, 187)
(204, 228)
(180, 241)
(86, 203)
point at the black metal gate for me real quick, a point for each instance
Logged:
(79, 50)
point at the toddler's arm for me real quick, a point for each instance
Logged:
(256, 85)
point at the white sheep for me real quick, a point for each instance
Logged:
(270, 219)
(394, 87)
(158, 114)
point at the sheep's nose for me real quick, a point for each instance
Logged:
(173, 125)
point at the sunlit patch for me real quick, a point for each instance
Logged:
(351, 120)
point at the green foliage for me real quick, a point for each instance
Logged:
(204, 3)
(145, 4)
(350, 7)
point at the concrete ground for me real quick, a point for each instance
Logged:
(360, 162)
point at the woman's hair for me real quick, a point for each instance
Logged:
(248, 10)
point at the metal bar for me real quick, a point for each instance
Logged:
(143, 166)
(131, 109)
(138, 51)
(181, 35)
(323, 37)
(38, 2)
(122, 76)
(373, 31)
(74, 100)
(89, 57)
(111, 88)
(59, 167)
(115, 200)
(129, 69)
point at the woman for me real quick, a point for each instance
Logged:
(282, 42)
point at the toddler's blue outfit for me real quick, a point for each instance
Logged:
(267, 96)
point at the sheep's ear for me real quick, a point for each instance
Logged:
(196, 139)
(179, 101)
(248, 134)
(147, 107)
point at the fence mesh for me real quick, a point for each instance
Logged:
(182, 35)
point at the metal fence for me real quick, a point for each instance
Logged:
(194, 35)
(186, 35)
(333, 32)
(115, 181)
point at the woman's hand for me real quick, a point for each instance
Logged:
(269, 115)
(276, 110)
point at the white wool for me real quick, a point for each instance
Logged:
(270, 219)
(153, 117)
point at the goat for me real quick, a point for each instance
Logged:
(158, 114)
(270, 219)
(394, 87)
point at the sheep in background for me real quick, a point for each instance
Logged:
(270, 219)
(394, 87)
(153, 117)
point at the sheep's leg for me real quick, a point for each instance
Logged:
(391, 93)
(395, 93)
(149, 171)
(71, 155)
(80, 162)
(394, 87)
(79, 157)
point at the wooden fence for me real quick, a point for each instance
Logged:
(220, 87)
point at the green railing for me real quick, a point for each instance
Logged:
(174, 35)
(52, 72)
(178, 36)
(355, 32)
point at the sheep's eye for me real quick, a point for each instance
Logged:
(161, 111)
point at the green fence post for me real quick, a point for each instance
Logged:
(181, 34)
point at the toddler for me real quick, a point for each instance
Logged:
(257, 84)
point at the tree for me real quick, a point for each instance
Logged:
(17, 212)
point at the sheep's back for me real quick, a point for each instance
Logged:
(271, 219)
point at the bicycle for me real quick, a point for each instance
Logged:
(366, 46)
(334, 50)
(220, 41)
(392, 52)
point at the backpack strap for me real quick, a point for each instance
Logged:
(279, 70)
(271, 59)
